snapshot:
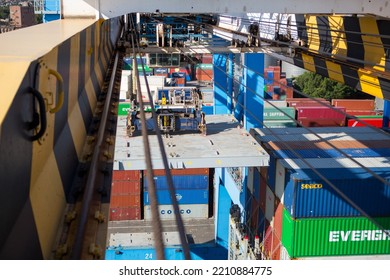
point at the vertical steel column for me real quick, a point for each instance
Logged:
(254, 86)
(386, 113)
(220, 84)
(230, 82)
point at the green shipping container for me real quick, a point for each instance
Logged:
(204, 66)
(123, 109)
(334, 236)
(281, 113)
(279, 124)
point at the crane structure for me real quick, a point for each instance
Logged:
(59, 100)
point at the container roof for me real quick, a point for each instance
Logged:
(225, 145)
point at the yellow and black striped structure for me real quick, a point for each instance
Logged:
(65, 61)
(353, 50)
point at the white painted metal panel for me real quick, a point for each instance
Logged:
(119, 7)
(142, 239)
(187, 211)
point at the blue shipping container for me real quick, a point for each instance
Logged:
(183, 196)
(198, 252)
(307, 195)
(181, 182)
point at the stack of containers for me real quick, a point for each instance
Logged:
(356, 107)
(125, 200)
(306, 217)
(279, 116)
(204, 72)
(191, 192)
(317, 112)
(277, 86)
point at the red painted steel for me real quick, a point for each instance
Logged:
(355, 104)
(125, 187)
(373, 122)
(123, 214)
(125, 175)
(262, 193)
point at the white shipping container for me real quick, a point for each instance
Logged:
(276, 103)
(187, 211)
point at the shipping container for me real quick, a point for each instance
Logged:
(123, 214)
(126, 175)
(323, 145)
(279, 123)
(180, 182)
(187, 211)
(125, 187)
(125, 201)
(275, 103)
(308, 103)
(355, 104)
(306, 194)
(269, 204)
(280, 113)
(318, 112)
(376, 122)
(271, 244)
(342, 236)
(358, 113)
(183, 196)
(284, 256)
(123, 108)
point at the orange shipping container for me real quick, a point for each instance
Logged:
(355, 104)
(125, 187)
(125, 201)
(125, 175)
(361, 113)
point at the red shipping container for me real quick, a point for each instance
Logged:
(125, 201)
(272, 245)
(373, 122)
(262, 193)
(123, 214)
(355, 104)
(254, 216)
(320, 116)
(125, 187)
(278, 220)
(270, 88)
(207, 58)
(126, 175)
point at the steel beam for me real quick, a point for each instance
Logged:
(109, 8)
